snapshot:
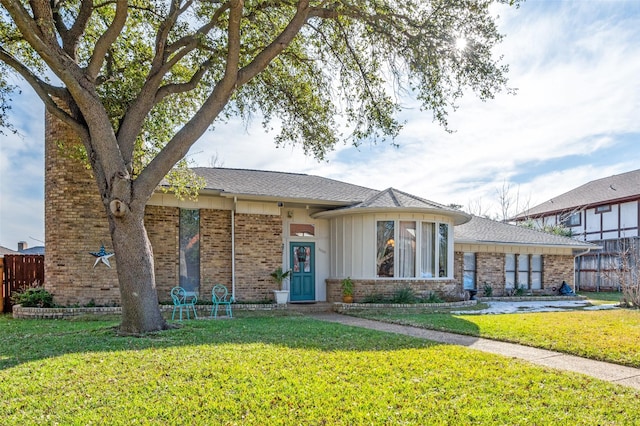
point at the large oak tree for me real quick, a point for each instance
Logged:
(140, 81)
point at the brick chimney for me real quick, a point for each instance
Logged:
(22, 245)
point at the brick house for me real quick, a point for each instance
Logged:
(246, 223)
(605, 212)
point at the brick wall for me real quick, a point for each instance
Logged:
(556, 269)
(490, 270)
(215, 250)
(75, 224)
(258, 253)
(163, 225)
(446, 289)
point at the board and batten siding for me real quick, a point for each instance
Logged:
(353, 241)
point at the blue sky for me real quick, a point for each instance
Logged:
(576, 117)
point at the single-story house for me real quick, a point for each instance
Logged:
(246, 223)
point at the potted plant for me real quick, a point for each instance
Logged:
(347, 290)
(279, 276)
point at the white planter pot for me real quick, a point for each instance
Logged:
(282, 296)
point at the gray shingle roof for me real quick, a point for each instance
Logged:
(482, 230)
(601, 191)
(392, 198)
(5, 250)
(284, 185)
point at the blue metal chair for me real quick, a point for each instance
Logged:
(220, 296)
(183, 300)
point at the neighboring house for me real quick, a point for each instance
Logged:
(246, 223)
(5, 250)
(605, 212)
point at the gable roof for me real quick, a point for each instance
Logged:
(280, 185)
(5, 250)
(393, 199)
(487, 231)
(614, 188)
(33, 250)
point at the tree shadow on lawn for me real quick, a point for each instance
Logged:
(23, 341)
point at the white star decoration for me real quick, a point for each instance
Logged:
(101, 256)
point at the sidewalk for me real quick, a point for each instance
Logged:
(618, 374)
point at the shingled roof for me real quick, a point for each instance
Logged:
(392, 198)
(281, 185)
(611, 189)
(487, 231)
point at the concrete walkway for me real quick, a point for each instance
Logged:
(613, 373)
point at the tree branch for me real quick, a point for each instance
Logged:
(46, 92)
(262, 60)
(179, 145)
(107, 39)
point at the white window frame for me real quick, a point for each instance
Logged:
(418, 249)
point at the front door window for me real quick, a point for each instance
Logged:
(302, 258)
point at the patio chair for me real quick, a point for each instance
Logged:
(220, 296)
(183, 300)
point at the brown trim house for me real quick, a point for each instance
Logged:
(605, 212)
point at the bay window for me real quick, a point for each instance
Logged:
(410, 249)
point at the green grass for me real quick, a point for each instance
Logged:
(258, 370)
(602, 298)
(610, 335)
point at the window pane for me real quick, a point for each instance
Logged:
(523, 270)
(469, 278)
(302, 230)
(510, 279)
(443, 250)
(536, 280)
(301, 259)
(190, 250)
(536, 271)
(523, 262)
(385, 248)
(469, 273)
(536, 263)
(510, 270)
(428, 251)
(407, 250)
(510, 262)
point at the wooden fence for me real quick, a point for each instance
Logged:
(603, 270)
(19, 272)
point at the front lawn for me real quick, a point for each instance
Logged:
(610, 335)
(259, 370)
(602, 297)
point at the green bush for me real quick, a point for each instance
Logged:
(404, 295)
(432, 298)
(33, 297)
(488, 290)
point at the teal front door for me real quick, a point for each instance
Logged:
(303, 283)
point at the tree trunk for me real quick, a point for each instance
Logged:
(136, 275)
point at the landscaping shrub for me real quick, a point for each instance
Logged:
(33, 297)
(432, 298)
(404, 295)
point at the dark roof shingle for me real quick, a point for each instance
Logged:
(280, 184)
(482, 230)
(600, 191)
